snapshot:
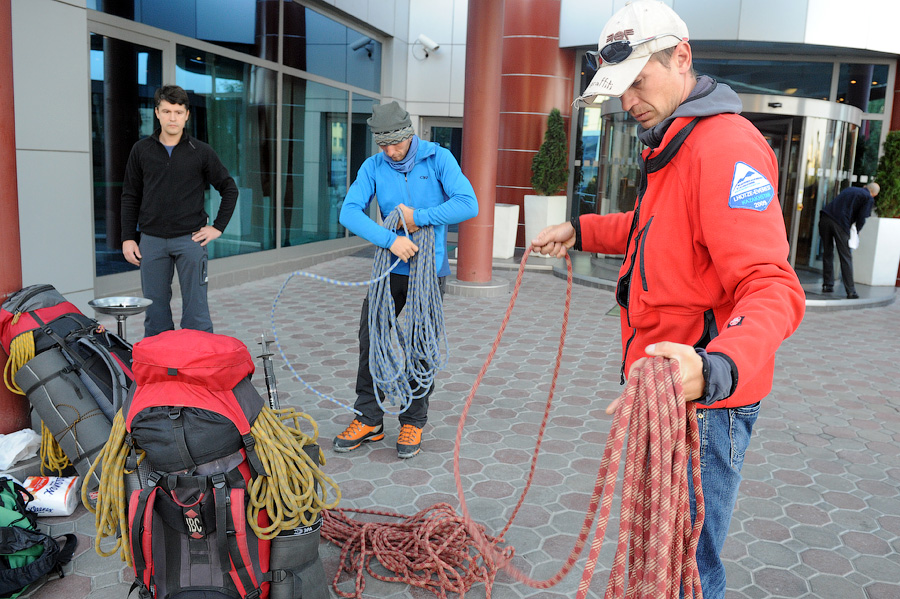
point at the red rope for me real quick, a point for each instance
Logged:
(433, 551)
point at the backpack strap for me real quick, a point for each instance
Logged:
(14, 539)
(180, 440)
(15, 497)
(230, 494)
(140, 522)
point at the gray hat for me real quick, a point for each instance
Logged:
(390, 124)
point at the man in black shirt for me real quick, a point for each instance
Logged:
(166, 178)
(851, 206)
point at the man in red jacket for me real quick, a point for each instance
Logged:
(705, 280)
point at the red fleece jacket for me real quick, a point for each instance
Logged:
(708, 258)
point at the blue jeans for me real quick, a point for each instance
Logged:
(724, 437)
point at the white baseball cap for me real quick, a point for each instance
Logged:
(629, 38)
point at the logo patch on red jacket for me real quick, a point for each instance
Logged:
(735, 322)
(750, 189)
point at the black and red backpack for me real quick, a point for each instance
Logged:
(74, 372)
(191, 411)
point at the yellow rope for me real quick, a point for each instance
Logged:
(293, 494)
(111, 510)
(296, 489)
(21, 350)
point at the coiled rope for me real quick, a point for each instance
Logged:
(655, 529)
(296, 490)
(21, 350)
(657, 534)
(415, 352)
(294, 493)
(396, 357)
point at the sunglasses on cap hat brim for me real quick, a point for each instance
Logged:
(618, 51)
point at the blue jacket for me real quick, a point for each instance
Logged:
(435, 189)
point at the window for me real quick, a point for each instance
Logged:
(314, 161)
(322, 46)
(778, 77)
(863, 86)
(123, 75)
(233, 110)
(249, 26)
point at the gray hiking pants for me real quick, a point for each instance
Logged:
(160, 258)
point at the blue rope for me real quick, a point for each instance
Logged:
(414, 351)
(401, 356)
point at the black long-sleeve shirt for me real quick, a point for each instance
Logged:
(164, 195)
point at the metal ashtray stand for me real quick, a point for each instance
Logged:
(121, 307)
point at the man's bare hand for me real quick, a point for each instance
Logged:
(407, 212)
(132, 252)
(690, 364)
(555, 240)
(403, 248)
(206, 234)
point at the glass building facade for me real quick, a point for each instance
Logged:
(286, 112)
(818, 155)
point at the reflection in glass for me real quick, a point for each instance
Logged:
(609, 173)
(314, 161)
(320, 45)
(863, 86)
(867, 146)
(362, 144)
(784, 78)
(123, 76)
(826, 173)
(248, 26)
(233, 110)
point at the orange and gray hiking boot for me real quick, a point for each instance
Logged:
(409, 441)
(356, 434)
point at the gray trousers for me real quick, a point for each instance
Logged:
(160, 258)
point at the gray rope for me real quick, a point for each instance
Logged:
(395, 355)
(405, 360)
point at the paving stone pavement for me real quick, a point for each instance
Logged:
(819, 510)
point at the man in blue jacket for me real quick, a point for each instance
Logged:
(425, 182)
(851, 206)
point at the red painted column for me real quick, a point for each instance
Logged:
(13, 407)
(537, 77)
(484, 47)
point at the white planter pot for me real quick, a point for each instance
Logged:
(540, 213)
(506, 225)
(876, 259)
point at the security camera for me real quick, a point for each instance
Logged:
(360, 43)
(429, 44)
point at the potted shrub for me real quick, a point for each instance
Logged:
(876, 260)
(549, 175)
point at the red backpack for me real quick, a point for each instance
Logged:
(191, 412)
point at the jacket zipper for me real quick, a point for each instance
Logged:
(642, 189)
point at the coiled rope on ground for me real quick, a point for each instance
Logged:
(21, 350)
(294, 493)
(657, 536)
(430, 550)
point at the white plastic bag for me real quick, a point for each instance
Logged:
(854, 237)
(17, 446)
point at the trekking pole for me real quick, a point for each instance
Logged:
(266, 357)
